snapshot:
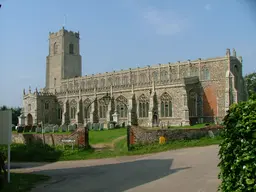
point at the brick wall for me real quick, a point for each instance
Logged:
(144, 136)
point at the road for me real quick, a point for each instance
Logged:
(184, 170)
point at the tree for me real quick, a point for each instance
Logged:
(237, 150)
(250, 81)
(16, 112)
(3, 108)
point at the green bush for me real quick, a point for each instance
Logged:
(238, 149)
(35, 152)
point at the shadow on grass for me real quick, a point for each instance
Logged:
(23, 182)
(33, 153)
(111, 177)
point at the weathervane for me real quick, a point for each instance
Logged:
(65, 21)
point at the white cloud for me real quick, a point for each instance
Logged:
(164, 23)
(208, 7)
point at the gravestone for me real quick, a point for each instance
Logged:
(55, 128)
(38, 130)
(89, 125)
(95, 126)
(111, 126)
(71, 127)
(47, 129)
(211, 134)
(101, 126)
(64, 128)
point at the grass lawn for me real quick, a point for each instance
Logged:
(106, 136)
(21, 182)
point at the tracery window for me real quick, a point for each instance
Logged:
(166, 105)
(95, 83)
(59, 110)
(110, 82)
(125, 80)
(143, 106)
(87, 108)
(205, 74)
(164, 75)
(143, 78)
(102, 82)
(73, 108)
(103, 108)
(155, 76)
(122, 104)
(194, 71)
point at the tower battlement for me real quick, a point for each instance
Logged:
(63, 32)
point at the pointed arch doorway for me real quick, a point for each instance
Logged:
(29, 120)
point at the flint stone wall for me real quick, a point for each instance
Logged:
(146, 136)
(80, 137)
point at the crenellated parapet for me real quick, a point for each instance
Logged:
(63, 32)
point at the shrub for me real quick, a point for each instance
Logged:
(238, 149)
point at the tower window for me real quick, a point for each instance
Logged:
(55, 48)
(71, 48)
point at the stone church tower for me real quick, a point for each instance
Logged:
(64, 59)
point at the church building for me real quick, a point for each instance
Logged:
(168, 94)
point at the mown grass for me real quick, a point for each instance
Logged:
(23, 182)
(106, 136)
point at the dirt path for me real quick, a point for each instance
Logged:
(109, 146)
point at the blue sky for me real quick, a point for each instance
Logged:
(119, 34)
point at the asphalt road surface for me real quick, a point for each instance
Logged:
(185, 170)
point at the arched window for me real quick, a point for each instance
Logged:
(143, 78)
(71, 48)
(89, 84)
(102, 82)
(166, 105)
(193, 71)
(76, 85)
(73, 106)
(125, 80)
(55, 48)
(95, 83)
(122, 105)
(164, 75)
(110, 82)
(155, 76)
(70, 86)
(82, 84)
(134, 78)
(143, 106)
(103, 108)
(117, 81)
(87, 108)
(205, 74)
(59, 111)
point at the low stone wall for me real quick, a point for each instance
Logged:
(80, 136)
(141, 135)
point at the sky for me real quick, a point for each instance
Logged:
(119, 34)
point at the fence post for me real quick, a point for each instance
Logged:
(128, 137)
